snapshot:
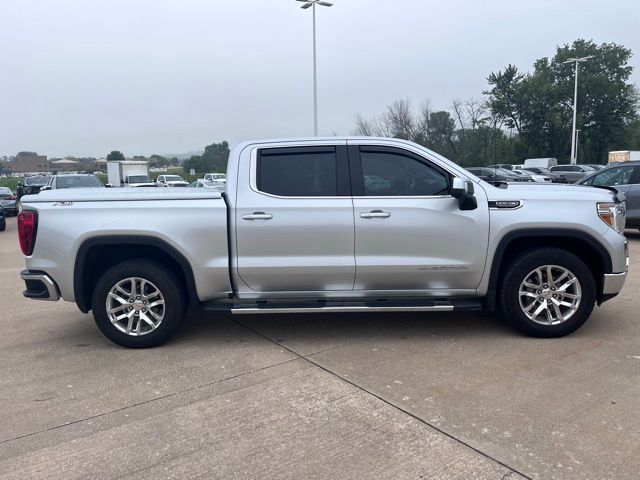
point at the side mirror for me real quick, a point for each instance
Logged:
(461, 187)
(108, 185)
(46, 187)
(464, 191)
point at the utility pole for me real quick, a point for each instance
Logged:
(575, 106)
(307, 4)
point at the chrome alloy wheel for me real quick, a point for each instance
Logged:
(550, 295)
(135, 306)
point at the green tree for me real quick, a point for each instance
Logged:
(538, 105)
(214, 159)
(115, 155)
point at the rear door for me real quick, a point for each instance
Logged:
(294, 220)
(410, 232)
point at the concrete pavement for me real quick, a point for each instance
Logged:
(317, 396)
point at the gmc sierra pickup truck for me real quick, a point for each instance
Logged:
(327, 225)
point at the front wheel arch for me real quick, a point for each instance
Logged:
(515, 242)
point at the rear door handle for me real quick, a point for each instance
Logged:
(375, 214)
(258, 216)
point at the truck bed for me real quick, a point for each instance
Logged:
(191, 223)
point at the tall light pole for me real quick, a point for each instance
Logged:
(307, 4)
(575, 104)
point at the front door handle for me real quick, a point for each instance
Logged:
(258, 216)
(375, 214)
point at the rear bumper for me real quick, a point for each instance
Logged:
(40, 286)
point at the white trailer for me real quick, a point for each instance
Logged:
(129, 173)
(540, 162)
(624, 156)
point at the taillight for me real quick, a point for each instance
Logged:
(11, 197)
(27, 229)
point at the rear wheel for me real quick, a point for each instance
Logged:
(138, 303)
(548, 293)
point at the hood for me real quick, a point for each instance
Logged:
(549, 191)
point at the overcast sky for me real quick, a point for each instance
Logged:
(170, 76)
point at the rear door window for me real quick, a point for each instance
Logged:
(298, 172)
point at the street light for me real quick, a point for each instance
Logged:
(307, 4)
(575, 101)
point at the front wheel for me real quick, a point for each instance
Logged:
(548, 292)
(138, 303)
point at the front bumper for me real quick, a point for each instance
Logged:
(40, 286)
(612, 283)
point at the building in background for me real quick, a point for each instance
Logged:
(65, 165)
(28, 162)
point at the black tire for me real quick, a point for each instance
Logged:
(3, 226)
(161, 277)
(516, 273)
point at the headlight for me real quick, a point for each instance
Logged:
(613, 214)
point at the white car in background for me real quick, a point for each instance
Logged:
(201, 183)
(171, 181)
(535, 177)
(216, 177)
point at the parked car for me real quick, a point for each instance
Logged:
(506, 166)
(73, 180)
(8, 201)
(171, 181)
(216, 177)
(201, 183)
(296, 219)
(493, 175)
(624, 177)
(3, 221)
(553, 176)
(533, 177)
(31, 185)
(573, 173)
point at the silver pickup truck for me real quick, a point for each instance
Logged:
(327, 225)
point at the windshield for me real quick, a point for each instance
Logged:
(74, 181)
(138, 179)
(35, 181)
(5, 191)
(173, 178)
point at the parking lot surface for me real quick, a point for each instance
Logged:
(317, 396)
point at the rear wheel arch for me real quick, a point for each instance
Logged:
(96, 255)
(579, 243)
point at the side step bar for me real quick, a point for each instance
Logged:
(344, 307)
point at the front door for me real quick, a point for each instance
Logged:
(294, 221)
(410, 232)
